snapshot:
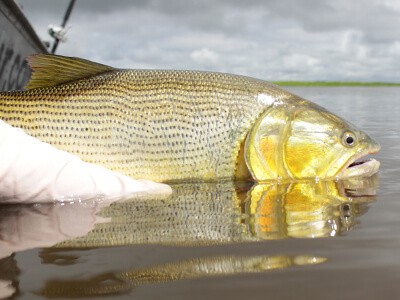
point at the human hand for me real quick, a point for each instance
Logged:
(32, 171)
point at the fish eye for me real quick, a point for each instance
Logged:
(349, 139)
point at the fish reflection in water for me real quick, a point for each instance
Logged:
(117, 283)
(209, 213)
(195, 214)
(305, 210)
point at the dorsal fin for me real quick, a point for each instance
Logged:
(50, 70)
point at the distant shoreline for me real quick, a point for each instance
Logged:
(334, 83)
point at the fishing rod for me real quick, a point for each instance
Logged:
(58, 32)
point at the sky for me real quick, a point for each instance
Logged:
(306, 40)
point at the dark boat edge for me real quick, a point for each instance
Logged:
(18, 39)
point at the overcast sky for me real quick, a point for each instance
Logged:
(356, 40)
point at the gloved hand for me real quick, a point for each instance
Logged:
(33, 171)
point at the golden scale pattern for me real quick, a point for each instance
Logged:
(161, 125)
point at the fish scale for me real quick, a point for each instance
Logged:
(162, 125)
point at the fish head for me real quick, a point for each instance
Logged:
(298, 140)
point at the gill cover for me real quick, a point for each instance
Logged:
(264, 147)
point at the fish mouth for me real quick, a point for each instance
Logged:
(360, 165)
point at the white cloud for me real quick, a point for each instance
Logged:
(204, 56)
(300, 61)
(273, 40)
(392, 4)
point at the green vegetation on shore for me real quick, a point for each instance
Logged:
(334, 83)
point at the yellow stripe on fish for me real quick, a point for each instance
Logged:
(168, 125)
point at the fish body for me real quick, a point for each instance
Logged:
(168, 125)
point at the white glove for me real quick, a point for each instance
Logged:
(33, 171)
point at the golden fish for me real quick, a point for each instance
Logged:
(167, 125)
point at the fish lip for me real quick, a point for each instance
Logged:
(373, 163)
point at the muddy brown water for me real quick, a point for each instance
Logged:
(329, 240)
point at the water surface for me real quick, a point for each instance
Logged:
(325, 240)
